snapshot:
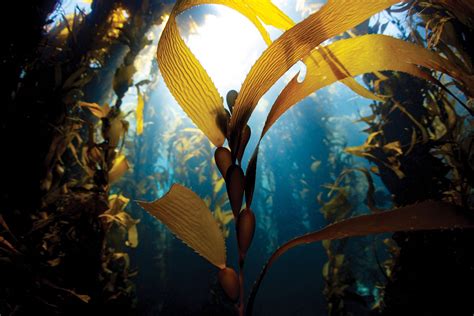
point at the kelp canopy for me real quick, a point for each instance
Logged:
(244, 183)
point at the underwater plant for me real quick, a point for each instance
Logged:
(187, 215)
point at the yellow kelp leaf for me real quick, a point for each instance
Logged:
(269, 14)
(189, 83)
(218, 185)
(187, 80)
(130, 224)
(117, 203)
(97, 110)
(188, 217)
(356, 56)
(335, 17)
(139, 113)
(119, 167)
(132, 241)
(394, 146)
(223, 218)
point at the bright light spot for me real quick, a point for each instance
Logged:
(227, 45)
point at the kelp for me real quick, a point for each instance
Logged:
(367, 151)
(430, 133)
(119, 168)
(117, 214)
(188, 217)
(193, 88)
(295, 44)
(429, 215)
(139, 111)
(336, 61)
(67, 254)
(339, 61)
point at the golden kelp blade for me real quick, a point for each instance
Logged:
(356, 56)
(187, 80)
(189, 83)
(295, 44)
(429, 215)
(139, 113)
(188, 217)
(270, 14)
(119, 168)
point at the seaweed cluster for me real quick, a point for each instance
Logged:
(64, 236)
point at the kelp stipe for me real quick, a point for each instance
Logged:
(337, 63)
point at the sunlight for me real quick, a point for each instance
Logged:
(226, 44)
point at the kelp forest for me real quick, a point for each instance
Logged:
(237, 157)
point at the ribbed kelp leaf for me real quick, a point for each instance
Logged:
(356, 56)
(139, 113)
(188, 217)
(187, 80)
(295, 44)
(429, 215)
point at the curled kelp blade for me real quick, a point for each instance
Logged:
(335, 17)
(185, 77)
(188, 217)
(429, 215)
(355, 56)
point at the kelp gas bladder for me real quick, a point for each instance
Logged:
(187, 216)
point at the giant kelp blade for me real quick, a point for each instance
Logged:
(185, 77)
(188, 217)
(355, 56)
(270, 14)
(429, 215)
(119, 167)
(189, 83)
(295, 44)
